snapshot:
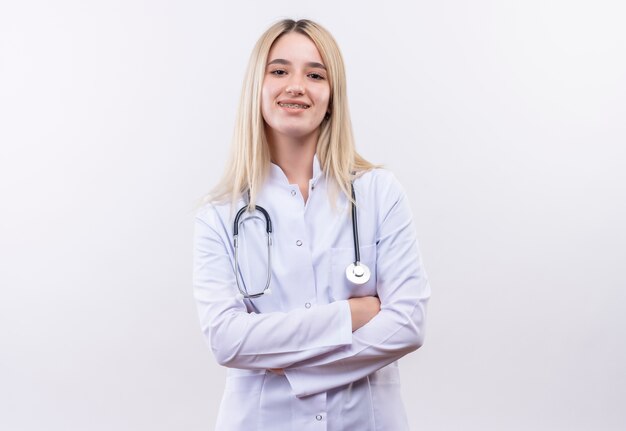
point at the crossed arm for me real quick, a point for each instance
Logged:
(362, 310)
(332, 344)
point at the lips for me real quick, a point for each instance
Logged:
(293, 104)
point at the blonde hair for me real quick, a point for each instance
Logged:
(250, 155)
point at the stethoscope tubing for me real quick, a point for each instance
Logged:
(268, 220)
(268, 230)
(355, 272)
(355, 228)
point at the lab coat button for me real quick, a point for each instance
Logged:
(318, 417)
(298, 243)
(307, 305)
(293, 193)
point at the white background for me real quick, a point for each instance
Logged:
(505, 121)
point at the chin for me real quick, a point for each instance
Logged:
(295, 132)
(292, 131)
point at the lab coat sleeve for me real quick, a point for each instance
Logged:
(398, 328)
(240, 339)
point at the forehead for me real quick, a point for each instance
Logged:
(295, 47)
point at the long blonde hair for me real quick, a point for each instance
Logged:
(250, 155)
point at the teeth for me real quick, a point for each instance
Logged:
(293, 105)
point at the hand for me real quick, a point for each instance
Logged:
(363, 310)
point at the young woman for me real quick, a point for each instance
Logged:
(307, 274)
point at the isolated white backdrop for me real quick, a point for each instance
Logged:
(503, 119)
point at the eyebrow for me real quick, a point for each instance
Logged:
(287, 62)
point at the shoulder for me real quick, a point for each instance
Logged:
(379, 182)
(379, 192)
(215, 215)
(206, 212)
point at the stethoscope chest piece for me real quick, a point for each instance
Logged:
(358, 273)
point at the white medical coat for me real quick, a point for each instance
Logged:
(334, 379)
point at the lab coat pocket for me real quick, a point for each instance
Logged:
(239, 408)
(340, 286)
(388, 375)
(389, 410)
(240, 403)
(244, 380)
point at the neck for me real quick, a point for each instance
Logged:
(294, 155)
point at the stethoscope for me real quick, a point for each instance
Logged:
(356, 272)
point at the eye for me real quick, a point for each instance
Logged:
(316, 76)
(278, 72)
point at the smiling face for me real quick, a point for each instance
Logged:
(296, 91)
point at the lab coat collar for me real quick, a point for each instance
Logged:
(277, 174)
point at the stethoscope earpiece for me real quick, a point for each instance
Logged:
(358, 273)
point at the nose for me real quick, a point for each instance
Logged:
(296, 90)
(295, 86)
